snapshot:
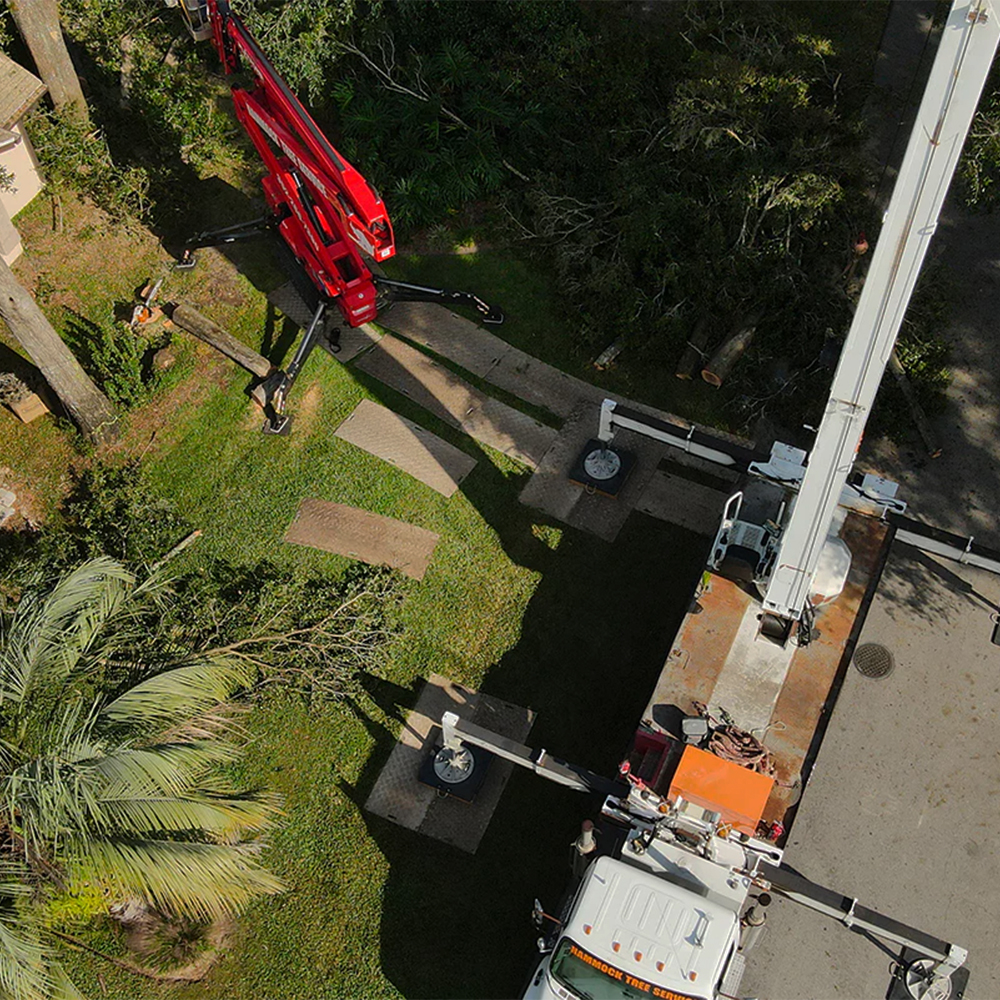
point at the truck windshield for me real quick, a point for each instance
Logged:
(592, 978)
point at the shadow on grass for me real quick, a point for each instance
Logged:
(181, 204)
(592, 643)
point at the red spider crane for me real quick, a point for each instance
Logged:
(329, 216)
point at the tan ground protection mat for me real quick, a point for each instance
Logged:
(407, 446)
(455, 401)
(359, 534)
(398, 795)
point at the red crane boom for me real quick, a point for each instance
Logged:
(329, 216)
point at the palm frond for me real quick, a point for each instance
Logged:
(220, 817)
(24, 961)
(52, 797)
(49, 633)
(161, 769)
(203, 881)
(178, 694)
(62, 987)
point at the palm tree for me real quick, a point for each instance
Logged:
(111, 770)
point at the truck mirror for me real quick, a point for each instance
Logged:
(537, 913)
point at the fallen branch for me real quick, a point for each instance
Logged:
(188, 318)
(927, 435)
(695, 351)
(178, 548)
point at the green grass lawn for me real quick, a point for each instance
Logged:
(517, 606)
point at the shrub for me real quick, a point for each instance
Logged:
(73, 155)
(113, 356)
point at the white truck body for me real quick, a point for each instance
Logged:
(660, 923)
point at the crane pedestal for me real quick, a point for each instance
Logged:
(459, 773)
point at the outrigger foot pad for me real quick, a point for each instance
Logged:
(280, 426)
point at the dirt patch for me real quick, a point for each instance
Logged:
(28, 510)
(254, 418)
(150, 936)
(306, 412)
(146, 939)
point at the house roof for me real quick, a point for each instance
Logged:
(19, 89)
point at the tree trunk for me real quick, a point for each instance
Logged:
(89, 408)
(38, 23)
(917, 411)
(695, 350)
(188, 318)
(728, 353)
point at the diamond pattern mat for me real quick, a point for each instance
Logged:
(359, 534)
(398, 795)
(407, 446)
(455, 401)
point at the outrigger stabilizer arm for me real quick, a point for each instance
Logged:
(272, 394)
(405, 291)
(933, 959)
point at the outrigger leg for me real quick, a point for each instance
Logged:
(272, 393)
(227, 234)
(404, 291)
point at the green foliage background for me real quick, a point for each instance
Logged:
(657, 165)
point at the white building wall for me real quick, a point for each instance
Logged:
(20, 161)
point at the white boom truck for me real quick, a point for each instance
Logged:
(662, 903)
(666, 908)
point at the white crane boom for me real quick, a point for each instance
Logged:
(960, 69)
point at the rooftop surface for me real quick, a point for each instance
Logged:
(19, 89)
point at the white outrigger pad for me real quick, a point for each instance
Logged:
(399, 796)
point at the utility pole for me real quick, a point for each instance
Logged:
(38, 23)
(89, 408)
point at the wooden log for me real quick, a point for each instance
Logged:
(927, 435)
(728, 353)
(188, 318)
(694, 353)
(38, 23)
(607, 357)
(88, 407)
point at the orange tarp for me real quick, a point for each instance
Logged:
(738, 793)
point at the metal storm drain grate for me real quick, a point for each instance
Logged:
(873, 660)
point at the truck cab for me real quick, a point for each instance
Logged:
(632, 933)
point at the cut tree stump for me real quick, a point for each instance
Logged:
(188, 318)
(607, 357)
(694, 352)
(728, 353)
(29, 408)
